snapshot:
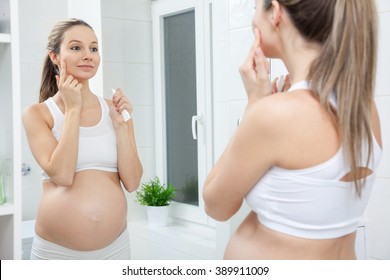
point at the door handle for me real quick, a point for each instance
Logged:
(196, 119)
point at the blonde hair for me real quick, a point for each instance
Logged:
(346, 66)
(48, 86)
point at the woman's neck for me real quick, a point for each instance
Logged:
(297, 54)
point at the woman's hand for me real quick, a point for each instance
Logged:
(255, 72)
(286, 84)
(120, 103)
(69, 88)
(128, 158)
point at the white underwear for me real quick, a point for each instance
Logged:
(46, 250)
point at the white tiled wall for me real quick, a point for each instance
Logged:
(35, 25)
(232, 37)
(127, 64)
(378, 222)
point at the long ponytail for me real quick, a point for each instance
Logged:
(48, 84)
(346, 66)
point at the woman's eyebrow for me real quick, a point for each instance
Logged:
(77, 41)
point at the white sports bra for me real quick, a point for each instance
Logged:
(312, 202)
(97, 144)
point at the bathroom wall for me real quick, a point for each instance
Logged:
(36, 20)
(377, 217)
(231, 38)
(128, 64)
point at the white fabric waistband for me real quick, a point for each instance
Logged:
(46, 250)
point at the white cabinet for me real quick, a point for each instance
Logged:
(10, 131)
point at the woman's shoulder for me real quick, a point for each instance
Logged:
(298, 125)
(36, 112)
(33, 109)
(286, 108)
(285, 115)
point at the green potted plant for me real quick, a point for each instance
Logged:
(157, 197)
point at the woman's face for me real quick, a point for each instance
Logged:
(80, 51)
(262, 20)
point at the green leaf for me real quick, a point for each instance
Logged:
(153, 193)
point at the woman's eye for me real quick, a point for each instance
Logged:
(75, 48)
(94, 49)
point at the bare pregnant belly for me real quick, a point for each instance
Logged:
(89, 215)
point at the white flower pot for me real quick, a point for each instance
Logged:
(158, 216)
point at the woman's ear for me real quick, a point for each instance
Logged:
(276, 13)
(54, 57)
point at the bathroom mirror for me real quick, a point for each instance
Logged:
(124, 31)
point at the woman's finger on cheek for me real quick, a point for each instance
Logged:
(256, 42)
(248, 64)
(261, 62)
(63, 74)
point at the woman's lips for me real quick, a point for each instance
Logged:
(86, 67)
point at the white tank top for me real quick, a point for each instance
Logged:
(97, 144)
(312, 202)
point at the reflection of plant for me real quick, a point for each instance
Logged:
(153, 193)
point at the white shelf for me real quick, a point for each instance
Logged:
(185, 238)
(5, 38)
(6, 209)
(10, 212)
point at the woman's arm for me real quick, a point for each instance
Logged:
(129, 165)
(57, 159)
(247, 156)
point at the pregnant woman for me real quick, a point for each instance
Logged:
(86, 150)
(304, 160)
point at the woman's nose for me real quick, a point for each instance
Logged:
(87, 56)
